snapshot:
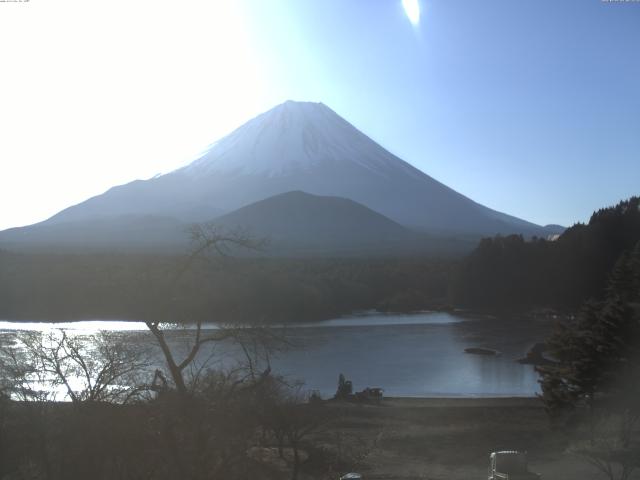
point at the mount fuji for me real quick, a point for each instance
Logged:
(296, 146)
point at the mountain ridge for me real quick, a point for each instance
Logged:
(307, 147)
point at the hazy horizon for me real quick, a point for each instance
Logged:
(527, 109)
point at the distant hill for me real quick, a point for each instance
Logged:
(299, 222)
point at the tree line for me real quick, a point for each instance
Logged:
(64, 287)
(511, 273)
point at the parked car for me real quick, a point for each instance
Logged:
(510, 465)
(370, 395)
(351, 476)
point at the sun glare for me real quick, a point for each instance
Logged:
(412, 9)
(168, 62)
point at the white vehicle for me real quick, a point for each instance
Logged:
(510, 465)
(351, 476)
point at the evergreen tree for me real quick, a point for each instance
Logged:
(513, 273)
(597, 353)
(597, 372)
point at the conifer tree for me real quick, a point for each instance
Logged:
(597, 372)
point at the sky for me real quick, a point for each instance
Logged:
(530, 107)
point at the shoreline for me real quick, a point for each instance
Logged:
(448, 402)
(425, 402)
(462, 312)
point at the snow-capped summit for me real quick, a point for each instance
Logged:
(290, 138)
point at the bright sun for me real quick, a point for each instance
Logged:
(412, 9)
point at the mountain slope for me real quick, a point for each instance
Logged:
(106, 233)
(300, 146)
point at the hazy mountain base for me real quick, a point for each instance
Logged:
(63, 287)
(293, 224)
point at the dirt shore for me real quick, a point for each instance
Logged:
(451, 438)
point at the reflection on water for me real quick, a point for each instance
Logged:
(86, 327)
(362, 319)
(414, 360)
(407, 355)
(372, 319)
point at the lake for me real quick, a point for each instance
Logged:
(419, 354)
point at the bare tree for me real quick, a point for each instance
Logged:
(292, 420)
(90, 368)
(208, 424)
(39, 368)
(611, 447)
(19, 376)
(207, 240)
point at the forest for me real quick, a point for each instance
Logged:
(513, 274)
(50, 287)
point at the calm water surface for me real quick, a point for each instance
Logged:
(408, 355)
